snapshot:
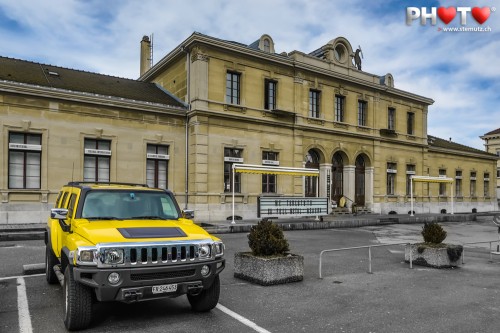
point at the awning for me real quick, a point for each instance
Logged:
(274, 170)
(428, 179)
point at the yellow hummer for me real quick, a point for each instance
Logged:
(129, 243)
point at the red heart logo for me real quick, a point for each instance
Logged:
(481, 14)
(447, 14)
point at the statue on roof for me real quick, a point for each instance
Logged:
(358, 55)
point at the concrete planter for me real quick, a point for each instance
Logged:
(268, 271)
(444, 257)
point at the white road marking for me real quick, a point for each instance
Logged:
(242, 319)
(22, 307)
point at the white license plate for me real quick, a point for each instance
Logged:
(164, 288)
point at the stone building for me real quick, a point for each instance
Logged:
(210, 103)
(492, 145)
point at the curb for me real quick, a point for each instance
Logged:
(348, 223)
(31, 269)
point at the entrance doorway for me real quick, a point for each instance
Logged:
(359, 183)
(337, 177)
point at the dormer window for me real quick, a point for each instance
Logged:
(265, 43)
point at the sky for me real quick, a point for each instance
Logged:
(459, 70)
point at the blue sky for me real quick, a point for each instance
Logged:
(459, 70)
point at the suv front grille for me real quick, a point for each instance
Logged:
(156, 254)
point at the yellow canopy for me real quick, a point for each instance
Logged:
(274, 170)
(428, 179)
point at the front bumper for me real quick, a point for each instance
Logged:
(136, 283)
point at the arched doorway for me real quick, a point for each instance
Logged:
(312, 162)
(337, 177)
(359, 181)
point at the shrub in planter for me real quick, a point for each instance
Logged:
(433, 233)
(433, 252)
(267, 239)
(269, 261)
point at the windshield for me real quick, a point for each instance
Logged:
(125, 205)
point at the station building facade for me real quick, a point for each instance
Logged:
(211, 103)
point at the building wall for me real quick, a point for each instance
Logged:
(492, 143)
(64, 126)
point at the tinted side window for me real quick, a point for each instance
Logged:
(71, 205)
(62, 202)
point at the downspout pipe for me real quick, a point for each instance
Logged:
(188, 97)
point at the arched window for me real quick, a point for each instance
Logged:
(312, 162)
(267, 45)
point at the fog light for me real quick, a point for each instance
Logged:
(205, 270)
(114, 278)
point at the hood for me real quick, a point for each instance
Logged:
(124, 231)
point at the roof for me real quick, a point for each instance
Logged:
(37, 74)
(497, 131)
(447, 144)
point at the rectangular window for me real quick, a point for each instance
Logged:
(458, 183)
(391, 119)
(410, 171)
(269, 181)
(473, 184)
(270, 94)
(442, 186)
(339, 108)
(362, 113)
(391, 178)
(232, 156)
(157, 166)
(25, 153)
(233, 87)
(498, 173)
(410, 123)
(314, 100)
(486, 184)
(96, 162)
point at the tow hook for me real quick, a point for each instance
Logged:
(132, 295)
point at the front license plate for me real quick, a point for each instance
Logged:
(164, 288)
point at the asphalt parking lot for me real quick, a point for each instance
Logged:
(392, 299)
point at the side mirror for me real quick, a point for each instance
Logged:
(188, 214)
(58, 213)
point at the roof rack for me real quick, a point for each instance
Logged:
(75, 183)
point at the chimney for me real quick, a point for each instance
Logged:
(145, 55)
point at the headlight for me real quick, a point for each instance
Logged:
(86, 256)
(204, 251)
(113, 256)
(219, 249)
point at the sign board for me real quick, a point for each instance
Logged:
(291, 207)
(98, 152)
(157, 156)
(21, 146)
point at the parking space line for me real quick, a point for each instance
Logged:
(242, 319)
(22, 307)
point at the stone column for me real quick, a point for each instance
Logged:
(349, 182)
(324, 170)
(369, 187)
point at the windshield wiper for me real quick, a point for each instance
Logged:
(103, 218)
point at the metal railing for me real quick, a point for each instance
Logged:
(369, 247)
(485, 242)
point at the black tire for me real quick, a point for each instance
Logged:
(50, 262)
(207, 299)
(77, 303)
